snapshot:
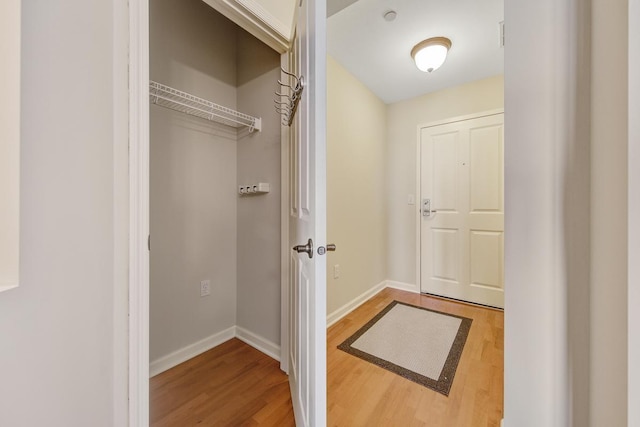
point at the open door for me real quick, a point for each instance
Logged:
(307, 224)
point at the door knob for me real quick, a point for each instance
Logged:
(308, 248)
(330, 248)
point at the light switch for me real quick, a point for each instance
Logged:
(411, 200)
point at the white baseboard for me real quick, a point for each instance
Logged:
(189, 352)
(354, 303)
(361, 299)
(177, 357)
(259, 343)
(409, 287)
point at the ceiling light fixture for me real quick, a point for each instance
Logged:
(431, 53)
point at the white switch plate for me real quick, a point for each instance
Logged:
(336, 271)
(205, 288)
(411, 200)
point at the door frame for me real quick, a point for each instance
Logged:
(138, 213)
(139, 149)
(284, 237)
(633, 283)
(418, 214)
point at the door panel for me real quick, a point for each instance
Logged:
(445, 241)
(486, 172)
(461, 241)
(486, 258)
(294, 315)
(445, 174)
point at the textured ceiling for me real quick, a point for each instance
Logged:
(378, 52)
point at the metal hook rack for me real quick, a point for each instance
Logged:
(287, 109)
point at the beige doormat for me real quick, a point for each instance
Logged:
(417, 343)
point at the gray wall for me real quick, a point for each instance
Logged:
(259, 215)
(61, 335)
(609, 213)
(200, 228)
(193, 168)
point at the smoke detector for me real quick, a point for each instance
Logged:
(390, 15)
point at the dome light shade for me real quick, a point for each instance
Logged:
(430, 54)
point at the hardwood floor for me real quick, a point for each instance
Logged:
(236, 385)
(230, 385)
(363, 394)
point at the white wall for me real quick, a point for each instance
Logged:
(57, 335)
(609, 213)
(547, 212)
(258, 231)
(356, 187)
(533, 397)
(9, 142)
(193, 170)
(403, 119)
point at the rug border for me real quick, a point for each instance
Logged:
(445, 381)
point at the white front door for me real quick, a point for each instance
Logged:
(307, 295)
(462, 210)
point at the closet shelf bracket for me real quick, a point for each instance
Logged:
(184, 102)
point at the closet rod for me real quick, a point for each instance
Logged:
(178, 100)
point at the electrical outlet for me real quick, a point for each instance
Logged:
(205, 288)
(336, 271)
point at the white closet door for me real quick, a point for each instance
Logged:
(307, 355)
(462, 235)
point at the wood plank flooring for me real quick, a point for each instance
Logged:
(363, 394)
(230, 385)
(236, 385)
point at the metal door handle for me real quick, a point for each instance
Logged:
(308, 248)
(330, 248)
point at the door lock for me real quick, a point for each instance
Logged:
(426, 207)
(330, 248)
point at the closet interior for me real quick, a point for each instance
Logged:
(215, 253)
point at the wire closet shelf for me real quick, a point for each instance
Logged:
(190, 104)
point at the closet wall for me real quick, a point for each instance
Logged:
(200, 228)
(258, 291)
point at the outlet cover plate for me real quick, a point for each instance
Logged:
(205, 288)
